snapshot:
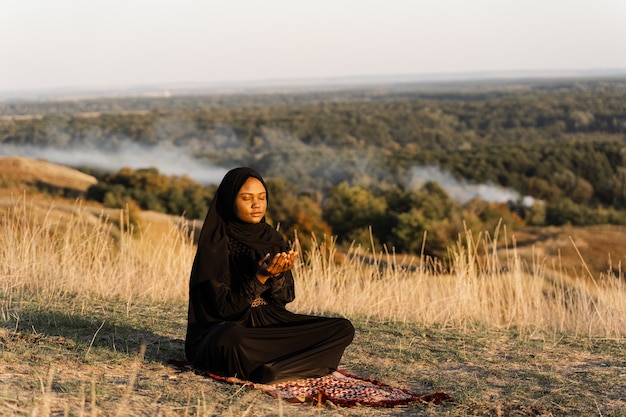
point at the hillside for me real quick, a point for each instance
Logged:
(52, 189)
(18, 173)
(88, 323)
(90, 315)
(577, 251)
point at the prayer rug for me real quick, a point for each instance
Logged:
(338, 388)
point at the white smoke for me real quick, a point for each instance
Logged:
(463, 190)
(168, 159)
(172, 160)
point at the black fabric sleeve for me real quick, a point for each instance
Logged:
(255, 288)
(282, 288)
(230, 304)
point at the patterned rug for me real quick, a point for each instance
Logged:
(339, 388)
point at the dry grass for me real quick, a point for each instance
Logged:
(57, 253)
(479, 288)
(91, 310)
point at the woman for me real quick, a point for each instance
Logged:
(240, 283)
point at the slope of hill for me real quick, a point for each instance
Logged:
(580, 252)
(51, 189)
(17, 172)
(86, 328)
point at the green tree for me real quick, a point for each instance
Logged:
(351, 208)
(296, 213)
(431, 215)
(153, 191)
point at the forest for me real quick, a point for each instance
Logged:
(349, 163)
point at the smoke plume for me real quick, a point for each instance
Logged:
(462, 190)
(169, 160)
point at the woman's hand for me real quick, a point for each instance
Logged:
(281, 262)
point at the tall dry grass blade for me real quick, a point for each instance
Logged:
(47, 394)
(94, 405)
(123, 405)
(93, 339)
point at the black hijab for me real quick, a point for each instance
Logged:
(221, 223)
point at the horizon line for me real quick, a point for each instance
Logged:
(295, 84)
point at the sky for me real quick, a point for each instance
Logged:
(52, 44)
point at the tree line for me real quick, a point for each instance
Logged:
(398, 217)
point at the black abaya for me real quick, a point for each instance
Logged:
(238, 326)
(282, 345)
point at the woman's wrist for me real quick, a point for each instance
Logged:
(263, 277)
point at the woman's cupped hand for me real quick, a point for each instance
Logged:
(279, 263)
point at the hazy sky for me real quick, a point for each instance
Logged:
(79, 43)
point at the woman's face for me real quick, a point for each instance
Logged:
(251, 201)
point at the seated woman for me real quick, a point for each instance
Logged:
(240, 283)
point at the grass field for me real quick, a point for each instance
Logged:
(91, 310)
